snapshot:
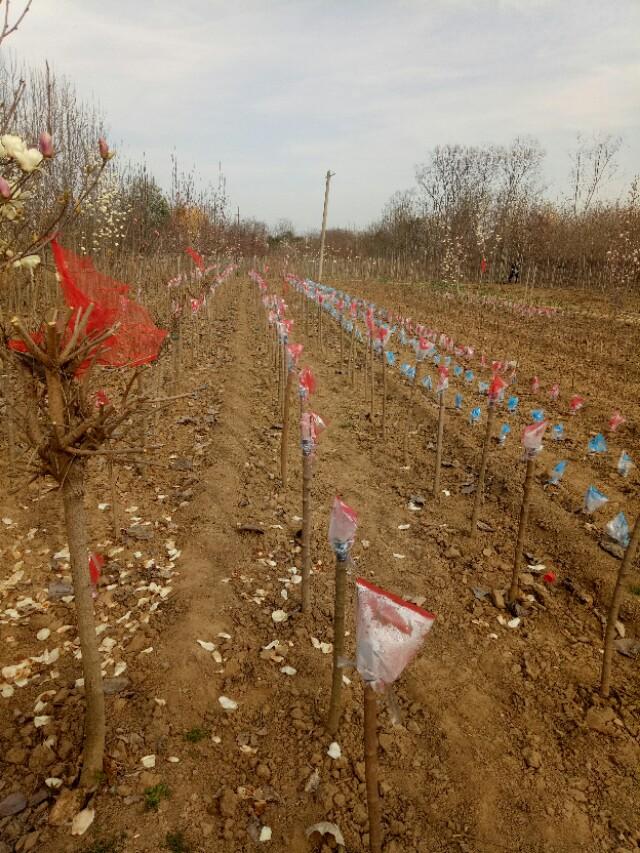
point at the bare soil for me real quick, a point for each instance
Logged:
(503, 743)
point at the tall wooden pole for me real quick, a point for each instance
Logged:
(329, 175)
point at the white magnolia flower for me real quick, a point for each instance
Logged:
(11, 145)
(29, 159)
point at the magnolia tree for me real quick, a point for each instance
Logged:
(59, 420)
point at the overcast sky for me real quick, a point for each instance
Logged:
(281, 90)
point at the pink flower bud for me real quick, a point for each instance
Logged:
(45, 144)
(103, 145)
(5, 189)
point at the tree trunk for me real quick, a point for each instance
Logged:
(76, 527)
(483, 469)
(338, 645)
(371, 768)
(614, 609)
(522, 529)
(307, 473)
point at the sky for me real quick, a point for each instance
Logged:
(280, 91)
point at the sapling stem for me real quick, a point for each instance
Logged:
(284, 447)
(436, 476)
(335, 708)
(410, 406)
(371, 768)
(307, 475)
(522, 528)
(614, 609)
(384, 393)
(491, 414)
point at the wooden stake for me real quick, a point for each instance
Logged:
(307, 475)
(323, 232)
(436, 476)
(483, 468)
(335, 707)
(614, 609)
(371, 768)
(522, 529)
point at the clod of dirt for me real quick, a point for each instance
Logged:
(182, 463)
(612, 548)
(497, 597)
(600, 719)
(629, 647)
(65, 807)
(13, 804)
(141, 532)
(250, 528)
(114, 685)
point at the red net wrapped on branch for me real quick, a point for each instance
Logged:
(136, 339)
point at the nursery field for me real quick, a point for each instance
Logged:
(494, 738)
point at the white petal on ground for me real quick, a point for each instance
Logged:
(227, 704)
(326, 828)
(334, 750)
(279, 616)
(265, 833)
(148, 761)
(82, 821)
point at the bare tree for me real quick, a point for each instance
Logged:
(593, 164)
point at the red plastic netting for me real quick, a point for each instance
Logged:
(196, 257)
(136, 339)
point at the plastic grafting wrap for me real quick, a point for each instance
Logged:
(196, 257)
(576, 403)
(306, 383)
(532, 438)
(618, 529)
(136, 340)
(294, 351)
(342, 528)
(625, 464)
(443, 379)
(615, 421)
(496, 388)
(311, 425)
(389, 632)
(557, 472)
(535, 385)
(597, 444)
(594, 499)
(554, 393)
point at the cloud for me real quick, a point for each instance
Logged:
(281, 91)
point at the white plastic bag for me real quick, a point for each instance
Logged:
(389, 632)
